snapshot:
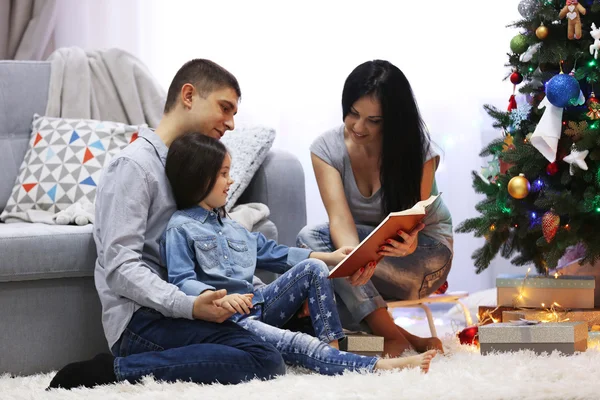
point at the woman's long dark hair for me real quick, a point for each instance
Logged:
(405, 137)
(193, 163)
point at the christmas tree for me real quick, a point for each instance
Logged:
(542, 183)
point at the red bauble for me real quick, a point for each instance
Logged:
(442, 289)
(552, 169)
(469, 335)
(516, 78)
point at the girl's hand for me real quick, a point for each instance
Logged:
(240, 303)
(394, 248)
(206, 308)
(341, 253)
(363, 275)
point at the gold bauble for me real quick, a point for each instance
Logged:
(541, 32)
(518, 187)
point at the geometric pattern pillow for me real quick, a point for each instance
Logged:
(64, 162)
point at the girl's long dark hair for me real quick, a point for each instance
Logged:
(193, 163)
(405, 137)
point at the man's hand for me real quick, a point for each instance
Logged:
(206, 309)
(240, 303)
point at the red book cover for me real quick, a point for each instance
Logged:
(367, 250)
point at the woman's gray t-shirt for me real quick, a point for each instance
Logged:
(331, 148)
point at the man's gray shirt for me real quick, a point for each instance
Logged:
(133, 206)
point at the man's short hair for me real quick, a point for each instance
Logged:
(206, 76)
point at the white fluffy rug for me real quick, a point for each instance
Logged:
(462, 374)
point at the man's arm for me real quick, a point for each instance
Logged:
(122, 203)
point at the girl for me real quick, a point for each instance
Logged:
(204, 250)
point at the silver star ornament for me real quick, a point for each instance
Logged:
(576, 159)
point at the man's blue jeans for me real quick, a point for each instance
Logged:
(173, 349)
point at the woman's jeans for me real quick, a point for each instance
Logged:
(396, 278)
(173, 349)
(308, 280)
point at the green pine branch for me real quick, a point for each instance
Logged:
(513, 227)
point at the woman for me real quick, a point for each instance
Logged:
(379, 161)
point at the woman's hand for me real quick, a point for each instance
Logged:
(240, 303)
(363, 275)
(394, 248)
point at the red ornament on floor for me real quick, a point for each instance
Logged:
(469, 335)
(442, 289)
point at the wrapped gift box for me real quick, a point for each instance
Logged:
(593, 339)
(490, 314)
(567, 291)
(362, 343)
(566, 337)
(591, 317)
(587, 269)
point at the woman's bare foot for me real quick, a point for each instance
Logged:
(421, 345)
(395, 340)
(335, 344)
(422, 361)
(396, 346)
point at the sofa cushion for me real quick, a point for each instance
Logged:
(267, 228)
(249, 147)
(63, 164)
(23, 92)
(40, 251)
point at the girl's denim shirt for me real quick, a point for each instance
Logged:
(203, 251)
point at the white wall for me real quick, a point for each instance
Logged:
(292, 59)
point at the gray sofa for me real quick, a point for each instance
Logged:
(49, 309)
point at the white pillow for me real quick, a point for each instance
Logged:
(248, 147)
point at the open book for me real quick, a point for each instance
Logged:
(367, 250)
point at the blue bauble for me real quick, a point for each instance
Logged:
(562, 90)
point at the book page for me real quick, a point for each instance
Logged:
(418, 208)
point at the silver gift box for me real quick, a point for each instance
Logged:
(362, 343)
(566, 337)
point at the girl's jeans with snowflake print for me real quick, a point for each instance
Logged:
(283, 298)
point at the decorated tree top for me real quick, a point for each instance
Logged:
(542, 185)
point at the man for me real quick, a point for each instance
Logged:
(151, 327)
